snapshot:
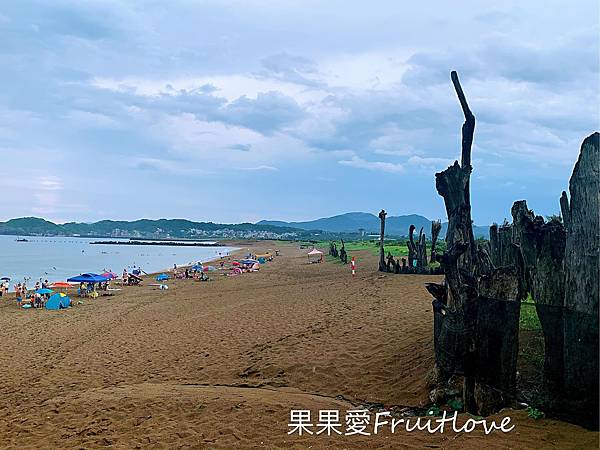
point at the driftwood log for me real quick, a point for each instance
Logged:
(412, 247)
(382, 265)
(541, 250)
(582, 280)
(502, 251)
(475, 297)
(436, 227)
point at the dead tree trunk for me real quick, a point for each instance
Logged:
(475, 297)
(436, 227)
(382, 266)
(582, 280)
(458, 340)
(541, 248)
(412, 248)
(501, 248)
(422, 253)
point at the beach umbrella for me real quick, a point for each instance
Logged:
(197, 267)
(235, 263)
(44, 291)
(109, 275)
(5, 279)
(60, 284)
(162, 277)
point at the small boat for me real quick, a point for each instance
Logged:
(22, 240)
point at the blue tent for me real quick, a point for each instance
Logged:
(87, 278)
(162, 277)
(58, 301)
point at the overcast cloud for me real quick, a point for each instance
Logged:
(242, 110)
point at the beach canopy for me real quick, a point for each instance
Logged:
(162, 277)
(315, 256)
(58, 301)
(44, 291)
(87, 278)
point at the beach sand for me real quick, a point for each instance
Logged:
(220, 364)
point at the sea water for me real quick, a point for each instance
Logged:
(58, 258)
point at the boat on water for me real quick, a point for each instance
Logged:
(22, 240)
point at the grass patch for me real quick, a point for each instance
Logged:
(529, 320)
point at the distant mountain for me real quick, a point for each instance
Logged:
(326, 228)
(145, 228)
(354, 221)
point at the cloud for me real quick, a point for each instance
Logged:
(257, 168)
(269, 112)
(251, 89)
(380, 166)
(241, 147)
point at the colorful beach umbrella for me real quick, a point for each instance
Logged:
(44, 291)
(60, 284)
(109, 275)
(162, 277)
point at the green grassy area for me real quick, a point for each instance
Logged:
(529, 319)
(397, 248)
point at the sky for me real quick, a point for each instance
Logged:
(232, 111)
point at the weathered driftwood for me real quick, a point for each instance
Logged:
(436, 227)
(541, 249)
(502, 251)
(582, 281)
(457, 339)
(390, 263)
(412, 247)
(343, 254)
(477, 296)
(422, 261)
(382, 266)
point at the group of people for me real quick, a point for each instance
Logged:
(197, 274)
(32, 298)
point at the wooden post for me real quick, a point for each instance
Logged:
(382, 266)
(460, 257)
(582, 280)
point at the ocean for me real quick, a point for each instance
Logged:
(57, 258)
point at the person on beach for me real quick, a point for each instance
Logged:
(18, 294)
(125, 276)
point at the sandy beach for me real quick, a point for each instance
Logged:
(221, 364)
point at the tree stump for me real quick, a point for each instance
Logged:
(582, 281)
(382, 266)
(436, 227)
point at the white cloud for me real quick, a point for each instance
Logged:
(380, 166)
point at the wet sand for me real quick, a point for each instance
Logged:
(220, 364)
